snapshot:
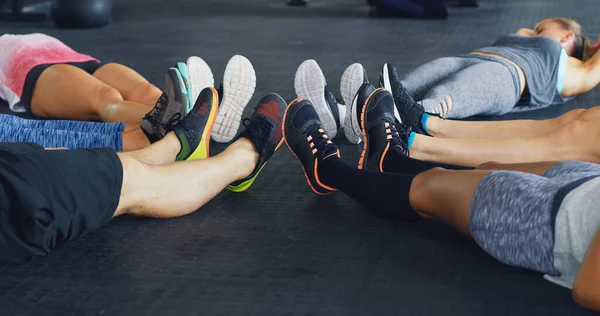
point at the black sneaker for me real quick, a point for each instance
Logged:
(353, 123)
(305, 135)
(410, 111)
(169, 109)
(382, 131)
(264, 130)
(195, 129)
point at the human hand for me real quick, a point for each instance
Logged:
(593, 48)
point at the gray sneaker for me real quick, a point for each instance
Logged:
(169, 109)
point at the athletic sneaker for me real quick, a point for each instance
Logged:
(195, 129)
(200, 77)
(409, 111)
(305, 135)
(310, 84)
(183, 70)
(239, 82)
(382, 131)
(169, 109)
(353, 78)
(263, 129)
(352, 125)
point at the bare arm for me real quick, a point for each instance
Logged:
(586, 290)
(581, 76)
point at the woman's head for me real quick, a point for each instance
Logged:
(567, 32)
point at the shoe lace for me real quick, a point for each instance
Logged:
(398, 134)
(259, 131)
(318, 139)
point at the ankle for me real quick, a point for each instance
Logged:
(245, 157)
(432, 125)
(172, 144)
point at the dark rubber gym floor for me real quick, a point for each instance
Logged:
(278, 249)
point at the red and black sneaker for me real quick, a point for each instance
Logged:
(263, 129)
(305, 136)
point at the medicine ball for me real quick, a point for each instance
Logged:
(81, 13)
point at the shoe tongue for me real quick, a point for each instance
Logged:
(304, 117)
(400, 136)
(332, 102)
(259, 131)
(321, 142)
(220, 93)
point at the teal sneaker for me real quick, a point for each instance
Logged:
(185, 77)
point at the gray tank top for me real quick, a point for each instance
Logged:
(539, 58)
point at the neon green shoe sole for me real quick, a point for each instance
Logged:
(245, 184)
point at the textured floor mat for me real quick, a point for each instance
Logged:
(278, 249)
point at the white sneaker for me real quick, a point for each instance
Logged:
(354, 76)
(310, 84)
(239, 82)
(200, 77)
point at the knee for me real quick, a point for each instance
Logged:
(143, 90)
(570, 116)
(589, 114)
(423, 179)
(136, 175)
(421, 187)
(569, 133)
(107, 101)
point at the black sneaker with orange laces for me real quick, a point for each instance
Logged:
(305, 136)
(383, 132)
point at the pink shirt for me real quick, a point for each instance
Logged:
(21, 53)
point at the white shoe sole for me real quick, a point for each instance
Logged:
(352, 79)
(200, 76)
(239, 83)
(388, 86)
(310, 83)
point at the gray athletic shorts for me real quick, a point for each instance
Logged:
(513, 213)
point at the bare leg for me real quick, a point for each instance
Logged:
(134, 138)
(453, 191)
(67, 92)
(160, 153)
(181, 188)
(572, 141)
(438, 127)
(130, 84)
(537, 168)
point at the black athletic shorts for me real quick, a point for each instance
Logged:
(50, 197)
(33, 75)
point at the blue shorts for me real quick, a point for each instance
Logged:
(513, 213)
(61, 133)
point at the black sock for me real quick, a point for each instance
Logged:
(385, 194)
(397, 162)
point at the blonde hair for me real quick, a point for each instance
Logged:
(582, 42)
